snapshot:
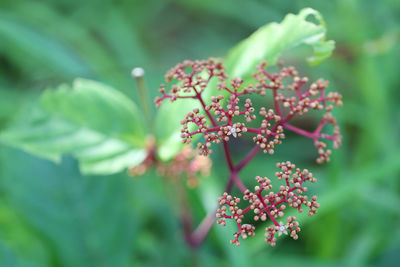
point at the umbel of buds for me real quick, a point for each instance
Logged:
(269, 206)
(231, 114)
(186, 163)
(193, 78)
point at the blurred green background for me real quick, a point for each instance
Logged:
(50, 215)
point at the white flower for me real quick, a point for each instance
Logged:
(282, 229)
(233, 131)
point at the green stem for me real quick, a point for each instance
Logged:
(145, 102)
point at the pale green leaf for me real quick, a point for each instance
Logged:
(100, 126)
(168, 126)
(268, 42)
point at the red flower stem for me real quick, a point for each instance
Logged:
(247, 209)
(193, 133)
(314, 135)
(198, 96)
(272, 218)
(320, 126)
(253, 130)
(238, 182)
(228, 157)
(268, 75)
(213, 129)
(195, 238)
(276, 103)
(248, 158)
(300, 131)
(228, 90)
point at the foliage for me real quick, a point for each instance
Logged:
(46, 43)
(100, 126)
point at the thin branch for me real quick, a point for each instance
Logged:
(195, 238)
(248, 158)
(228, 156)
(300, 131)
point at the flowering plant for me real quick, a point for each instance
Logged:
(108, 133)
(220, 120)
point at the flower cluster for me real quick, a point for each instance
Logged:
(291, 97)
(186, 163)
(303, 99)
(230, 113)
(149, 161)
(192, 77)
(267, 205)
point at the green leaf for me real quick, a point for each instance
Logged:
(168, 127)
(29, 47)
(268, 42)
(100, 126)
(82, 221)
(19, 245)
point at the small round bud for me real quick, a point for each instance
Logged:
(137, 72)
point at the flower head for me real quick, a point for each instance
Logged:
(223, 114)
(231, 114)
(281, 228)
(269, 206)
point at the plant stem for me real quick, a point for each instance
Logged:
(228, 156)
(195, 238)
(138, 74)
(300, 131)
(248, 158)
